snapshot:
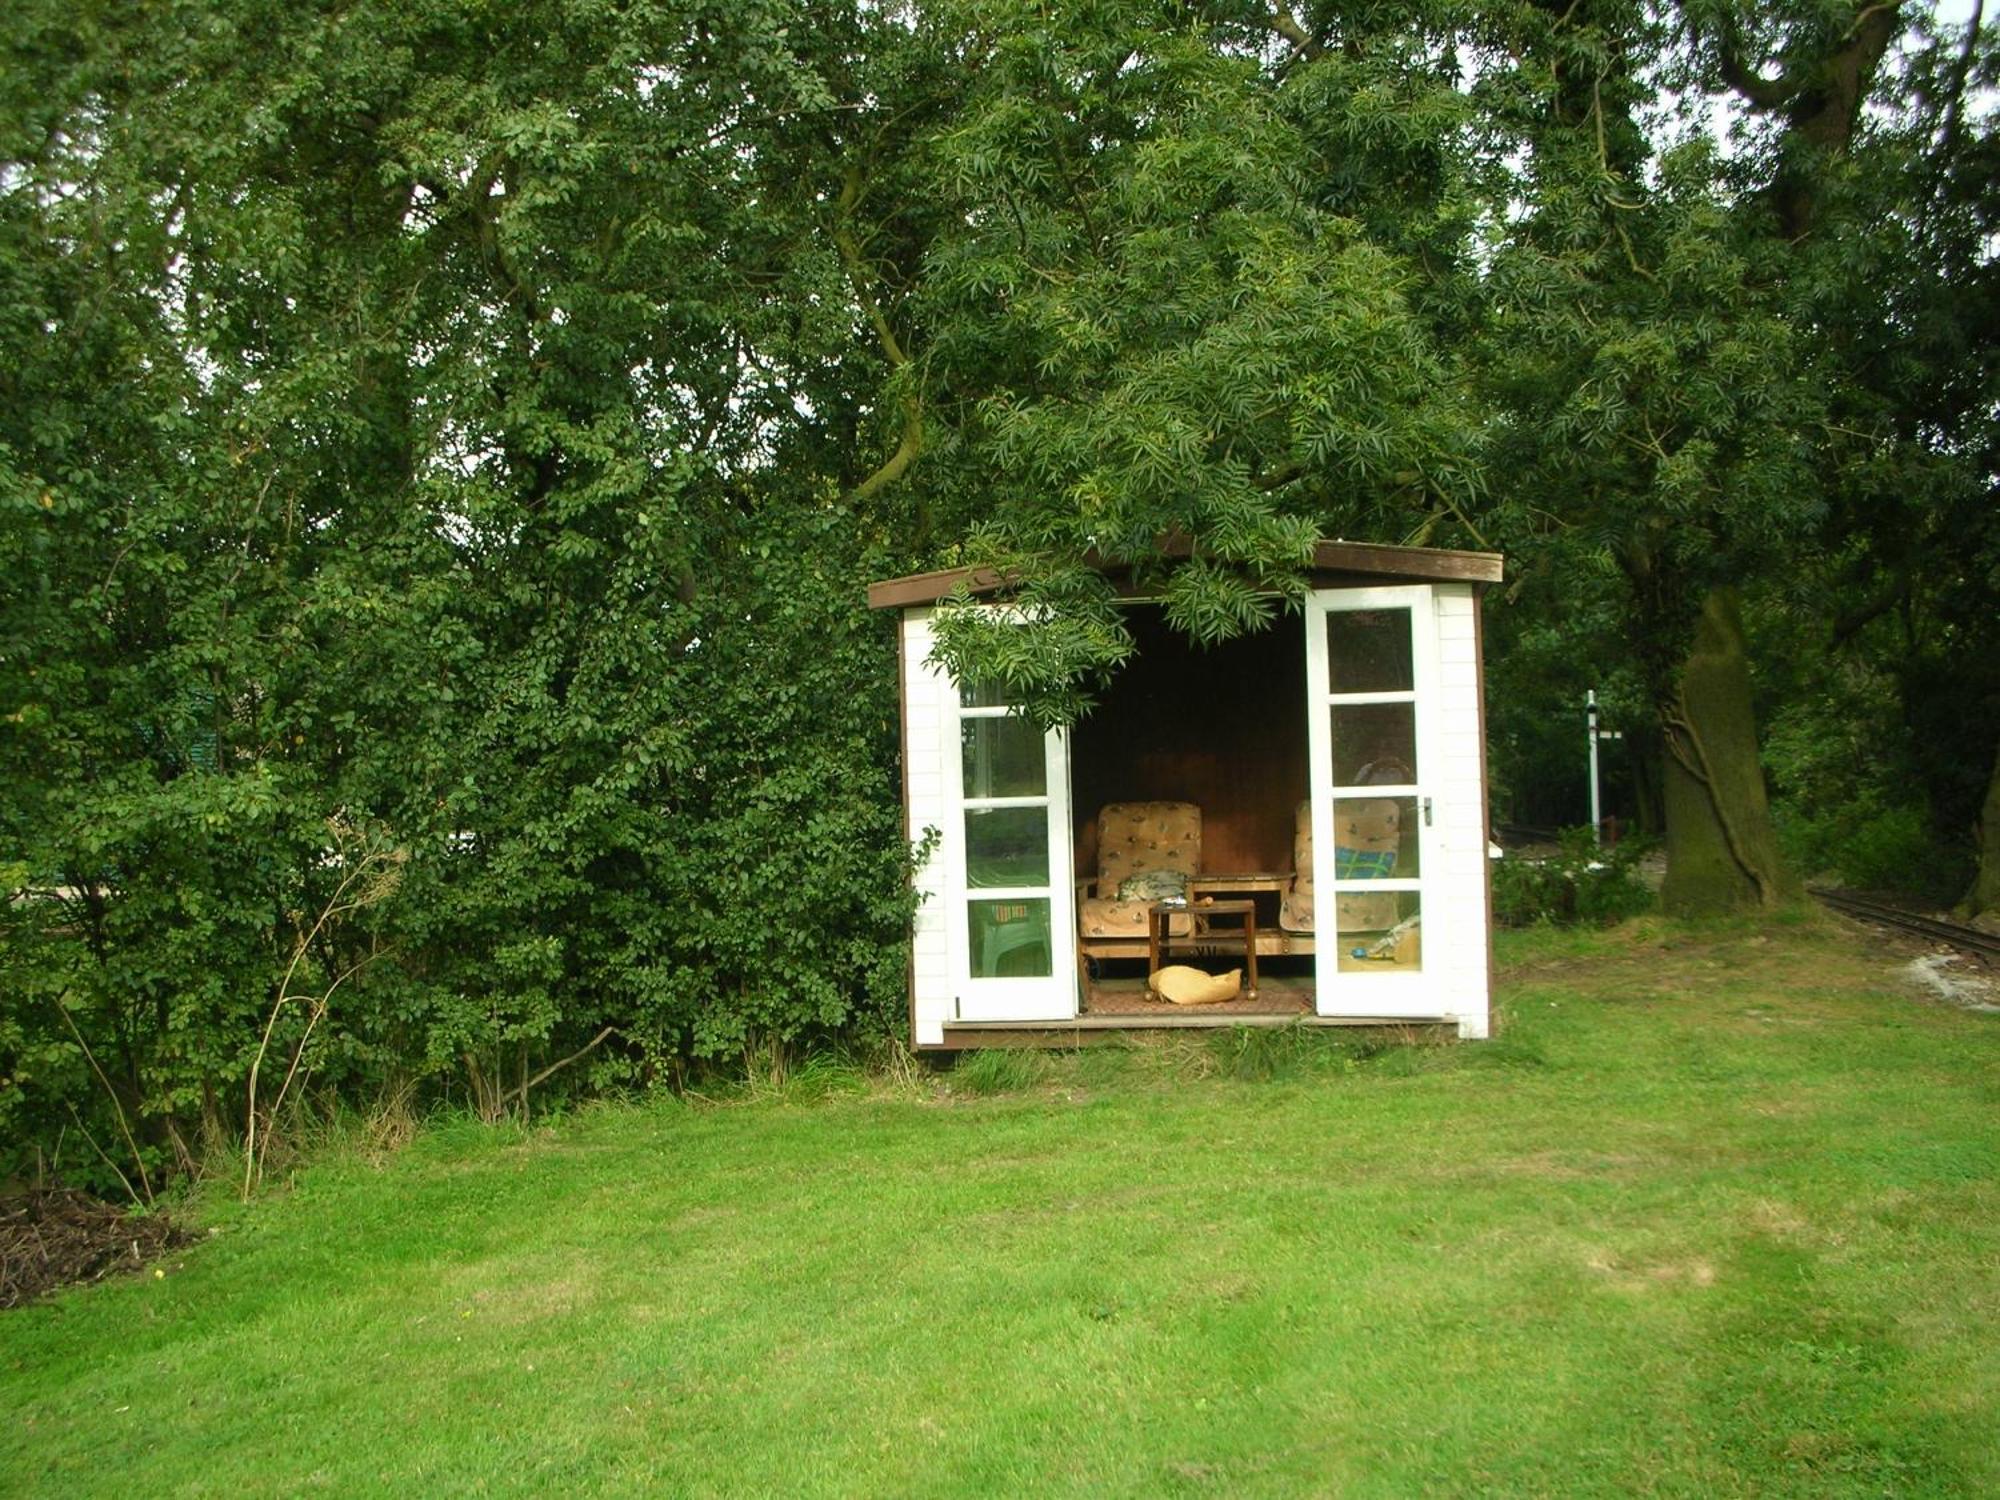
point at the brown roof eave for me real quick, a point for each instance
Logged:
(1357, 561)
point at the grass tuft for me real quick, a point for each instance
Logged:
(998, 1070)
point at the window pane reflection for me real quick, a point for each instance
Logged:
(1375, 838)
(1368, 651)
(1003, 757)
(1010, 939)
(1380, 934)
(1006, 846)
(1375, 744)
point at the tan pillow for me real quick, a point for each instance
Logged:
(1186, 986)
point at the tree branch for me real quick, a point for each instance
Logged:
(1955, 110)
(1759, 92)
(911, 446)
(1285, 24)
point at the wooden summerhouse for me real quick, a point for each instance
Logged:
(1304, 808)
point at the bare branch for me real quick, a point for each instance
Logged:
(521, 1093)
(117, 1106)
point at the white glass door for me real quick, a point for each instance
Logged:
(1012, 923)
(1371, 684)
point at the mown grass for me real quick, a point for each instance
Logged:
(1715, 1214)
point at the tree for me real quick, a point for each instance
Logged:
(1191, 285)
(408, 441)
(1671, 341)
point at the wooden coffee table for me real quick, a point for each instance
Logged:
(1161, 939)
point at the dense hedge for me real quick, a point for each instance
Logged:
(434, 642)
(677, 820)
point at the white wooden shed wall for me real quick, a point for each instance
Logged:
(928, 695)
(1461, 962)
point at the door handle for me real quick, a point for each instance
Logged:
(1427, 812)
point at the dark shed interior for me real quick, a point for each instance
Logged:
(1223, 728)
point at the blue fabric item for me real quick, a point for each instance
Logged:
(1363, 864)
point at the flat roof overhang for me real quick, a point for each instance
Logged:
(1335, 562)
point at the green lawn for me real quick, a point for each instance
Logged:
(1718, 1214)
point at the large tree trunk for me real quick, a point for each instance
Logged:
(1984, 897)
(1722, 852)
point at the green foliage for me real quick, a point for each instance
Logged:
(379, 453)
(455, 440)
(1870, 846)
(1579, 884)
(1173, 302)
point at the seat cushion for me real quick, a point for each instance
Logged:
(1295, 912)
(1108, 917)
(1190, 986)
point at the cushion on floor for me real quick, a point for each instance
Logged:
(1187, 986)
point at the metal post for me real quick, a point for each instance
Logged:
(1590, 719)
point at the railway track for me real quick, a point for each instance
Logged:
(1968, 940)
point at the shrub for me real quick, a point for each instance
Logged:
(1580, 883)
(1876, 845)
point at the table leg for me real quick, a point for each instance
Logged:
(1153, 920)
(1250, 947)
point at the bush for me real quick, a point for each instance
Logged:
(1874, 845)
(1579, 884)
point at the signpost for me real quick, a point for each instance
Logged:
(1596, 734)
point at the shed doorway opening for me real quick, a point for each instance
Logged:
(1195, 762)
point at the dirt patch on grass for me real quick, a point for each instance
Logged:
(1696, 1271)
(59, 1237)
(1956, 980)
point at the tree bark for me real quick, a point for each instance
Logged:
(1722, 851)
(1984, 897)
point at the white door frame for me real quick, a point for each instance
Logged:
(1015, 998)
(1390, 994)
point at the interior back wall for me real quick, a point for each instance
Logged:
(1223, 728)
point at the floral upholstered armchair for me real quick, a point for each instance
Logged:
(1366, 835)
(1145, 851)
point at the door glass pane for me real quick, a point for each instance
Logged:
(1006, 846)
(1375, 744)
(1380, 933)
(1003, 757)
(1375, 838)
(1010, 939)
(982, 694)
(1368, 651)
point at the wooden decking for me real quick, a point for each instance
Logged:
(1281, 997)
(1115, 1005)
